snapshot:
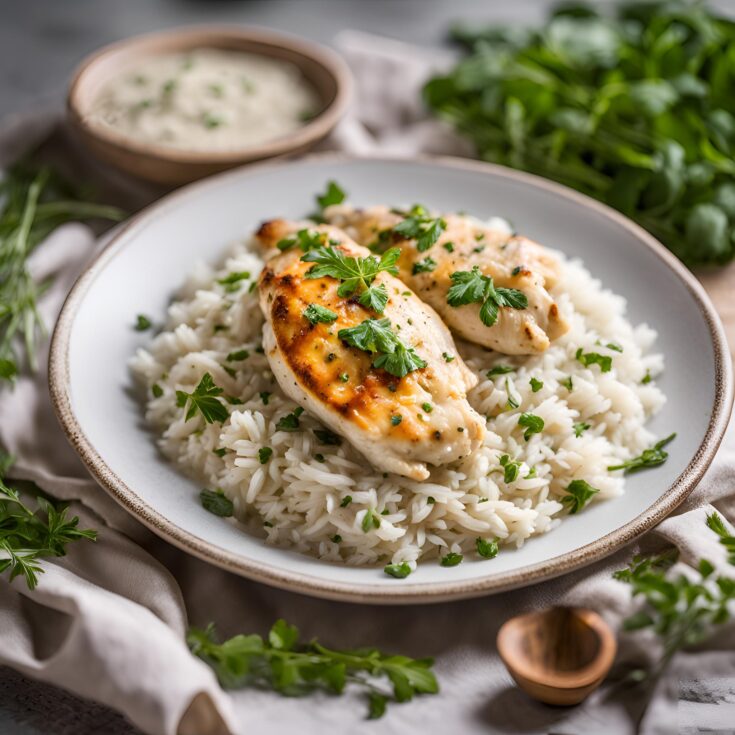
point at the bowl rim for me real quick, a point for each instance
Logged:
(408, 593)
(191, 35)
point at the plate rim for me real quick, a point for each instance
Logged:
(407, 593)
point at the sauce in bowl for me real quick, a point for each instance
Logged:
(207, 100)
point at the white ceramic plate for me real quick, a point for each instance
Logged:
(148, 260)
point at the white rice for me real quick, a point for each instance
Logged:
(298, 501)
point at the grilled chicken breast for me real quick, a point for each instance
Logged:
(401, 424)
(512, 262)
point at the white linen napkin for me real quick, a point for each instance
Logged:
(107, 621)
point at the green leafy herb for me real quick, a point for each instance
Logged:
(220, 452)
(449, 247)
(646, 378)
(716, 524)
(333, 195)
(534, 424)
(282, 663)
(356, 274)
(427, 407)
(536, 385)
(32, 205)
(579, 493)
(233, 281)
(512, 401)
(316, 314)
(28, 535)
(399, 571)
(345, 501)
(265, 396)
(499, 370)
(396, 419)
(290, 422)
(651, 457)
(217, 503)
(471, 287)
(420, 226)
(370, 520)
(238, 356)
(510, 468)
(451, 559)
(614, 346)
(211, 121)
(376, 336)
(486, 549)
(156, 390)
(306, 239)
(142, 322)
(264, 454)
(327, 437)
(568, 383)
(423, 266)
(447, 357)
(636, 111)
(594, 358)
(204, 400)
(580, 428)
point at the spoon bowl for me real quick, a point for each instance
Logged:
(559, 655)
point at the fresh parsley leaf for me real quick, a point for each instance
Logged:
(646, 378)
(306, 239)
(203, 400)
(451, 559)
(156, 390)
(290, 422)
(217, 503)
(594, 358)
(345, 501)
(265, 396)
(510, 468)
(264, 454)
(142, 323)
(579, 493)
(534, 424)
(316, 314)
(568, 383)
(447, 357)
(220, 452)
(651, 457)
(370, 520)
(580, 428)
(614, 346)
(499, 370)
(293, 668)
(486, 549)
(238, 356)
(333, 195)
(419, 226)
(536, 385)
(327, 437)
(233, 281)
(427, 265)
(716, 524)
(402, 361)
(375, 298)
(399, 571)
(470, 287)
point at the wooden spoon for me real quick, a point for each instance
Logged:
(559, 655)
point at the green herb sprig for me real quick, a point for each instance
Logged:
(290, 667)
(472, 287)
(203, 400)
(651, 457)
(420, 226)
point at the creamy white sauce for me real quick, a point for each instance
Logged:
(207, 100)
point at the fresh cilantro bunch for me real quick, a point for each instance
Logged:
(636, 110)
(472, 287)
(28, 535)
(296, 669)
(420, 226)
(682, 610)
(356, 274)
(32, 204)
(376, 336)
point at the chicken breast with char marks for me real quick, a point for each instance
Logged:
(511, 261)
(401, 424)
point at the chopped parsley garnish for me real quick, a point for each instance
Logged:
(651, 457)
(156, 390)
(430, 500)
(568, 383)
(399, 571)
(510, 468)
(472, 287)
(423, 266)
(396, 419)
(217, 503)
(319, 314)
(715, 523)
(512, 400)
(234, 401)
(327, 437)
(345, 501)
(265, 396)
(211, 121)
(333, 195)
(264, 454)
(614, 346)
(344, 377)
(536, 385)
(486, 549)
(594, 358)
(229, 371)
(336, 539)
(142, 323)
(516, 270)
(220, 452)
(447, 357)
(376, 336)
(647, 378)
(419, 226)
(451, 559)
(291, 421)
(579, 493)
(233, 280)
(580, 428)
(427, 407)
(356, 274)
(237, 356)
(306, 239)
(499, 370)
(449, 247)
(370, 520)
(319, 457)
(203, 399)
(534, 424)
